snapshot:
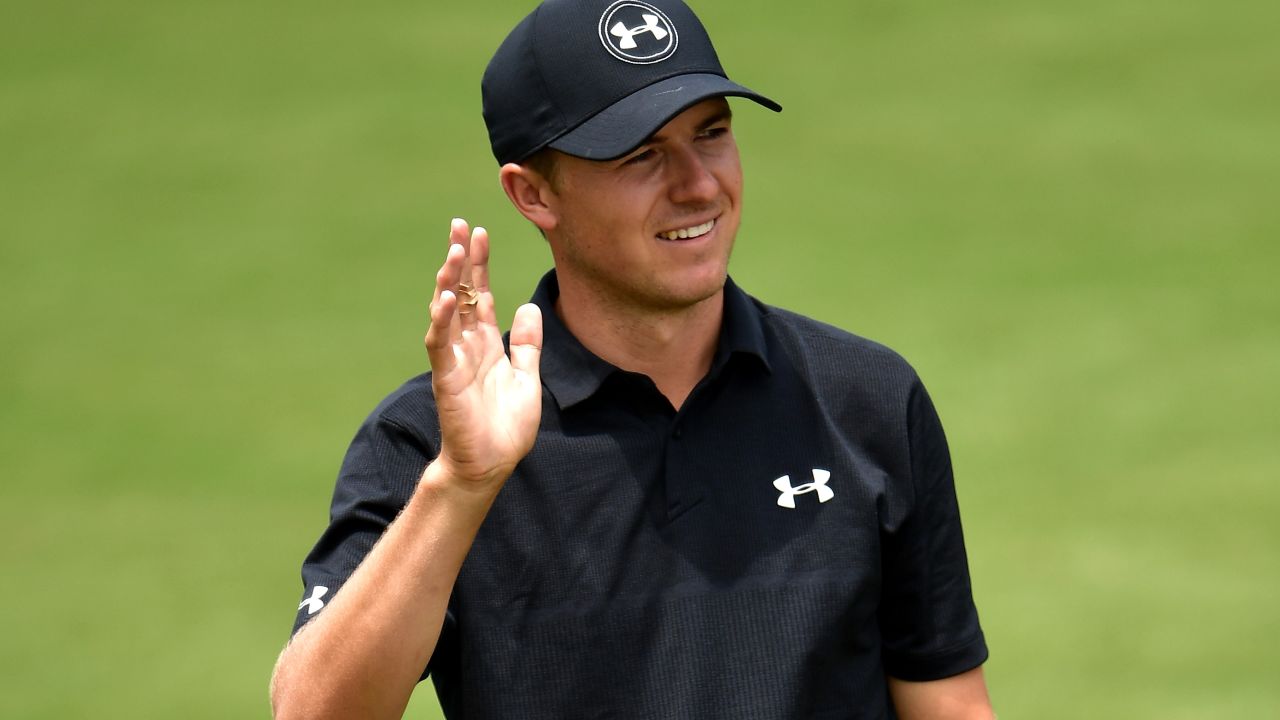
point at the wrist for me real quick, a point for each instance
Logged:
(444, 476)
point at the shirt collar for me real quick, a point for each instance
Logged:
(573, 373)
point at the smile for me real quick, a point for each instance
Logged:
(690, 232)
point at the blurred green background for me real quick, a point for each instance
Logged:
(219, 223)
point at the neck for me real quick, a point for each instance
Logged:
(672, 347)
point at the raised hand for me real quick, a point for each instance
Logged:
(489, 404)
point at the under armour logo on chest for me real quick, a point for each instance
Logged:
(314, 603)
(819, 485)
(627, 36)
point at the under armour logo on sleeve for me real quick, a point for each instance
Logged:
(314, 603)
(819, 485)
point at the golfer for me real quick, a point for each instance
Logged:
(660, 497)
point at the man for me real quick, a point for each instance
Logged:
(665, 500)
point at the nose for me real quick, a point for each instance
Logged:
(691, 180)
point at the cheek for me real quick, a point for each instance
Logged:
(584, 215)
(730, 176)
(612, 209)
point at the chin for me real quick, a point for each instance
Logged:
(696, 289)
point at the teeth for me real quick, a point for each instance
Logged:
(693, 232)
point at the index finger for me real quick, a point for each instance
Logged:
(479, 256)
(480, 275)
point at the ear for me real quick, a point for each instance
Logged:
(531, 194)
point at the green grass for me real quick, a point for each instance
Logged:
(219, 224)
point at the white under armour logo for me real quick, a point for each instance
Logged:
(314, 603)
(819, 485)
(636, 32)
(627, 36)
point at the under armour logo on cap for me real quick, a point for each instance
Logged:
(637, 32)
(627, 38)
(314, 603)
(819, 485)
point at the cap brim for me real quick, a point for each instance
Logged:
(626, 124)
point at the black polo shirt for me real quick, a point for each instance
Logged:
(771, 550)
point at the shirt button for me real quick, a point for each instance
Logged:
(677, 432)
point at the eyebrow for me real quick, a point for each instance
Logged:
(720, 116)
(717, 117)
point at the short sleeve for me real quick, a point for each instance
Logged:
(379, 474)
(929, 623)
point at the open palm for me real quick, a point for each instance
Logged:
(489, 403)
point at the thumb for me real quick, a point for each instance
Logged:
(526, 339)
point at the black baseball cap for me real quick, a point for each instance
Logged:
(596, 78)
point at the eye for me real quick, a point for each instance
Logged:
(640, 157)
(712, 133)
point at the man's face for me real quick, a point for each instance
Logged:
(619, 221)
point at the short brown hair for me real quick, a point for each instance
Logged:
(545, 163)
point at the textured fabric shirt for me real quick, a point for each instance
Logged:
(771, 550)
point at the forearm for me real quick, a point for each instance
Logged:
(960, 697)
(363, 655)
